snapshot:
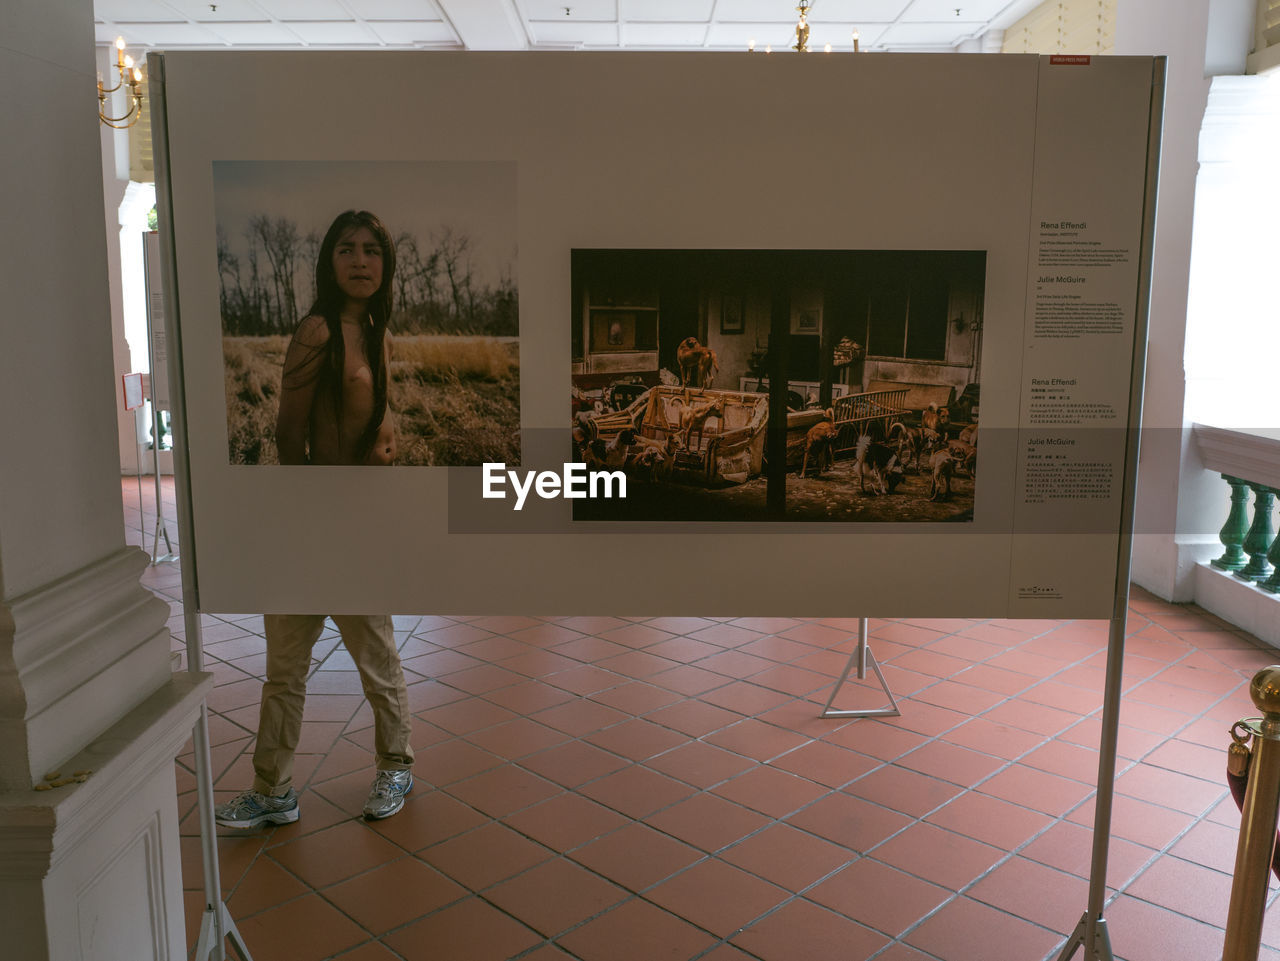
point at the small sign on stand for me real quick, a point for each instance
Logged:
(132, 384)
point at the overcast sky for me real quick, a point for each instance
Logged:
(478, 199)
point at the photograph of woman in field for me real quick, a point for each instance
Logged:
(369, 340)
(333, 390)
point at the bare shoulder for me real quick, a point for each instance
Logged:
(312, 331)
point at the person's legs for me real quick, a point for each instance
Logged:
(290, 638)
(371, 642)
(372, 645)
(272, 799)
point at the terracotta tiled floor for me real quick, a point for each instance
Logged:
(633, 789)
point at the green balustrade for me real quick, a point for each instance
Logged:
(1261, 534)
(1233, 531)
(1272, 583)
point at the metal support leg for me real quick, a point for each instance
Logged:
(1091, 932)
(216, 926)
(161, 527)
(161, 531)
(862, 656)
(1096, 943)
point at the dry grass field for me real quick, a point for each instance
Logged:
(456, 400)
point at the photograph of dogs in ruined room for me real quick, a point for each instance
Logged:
(422, 368)
(875, 420)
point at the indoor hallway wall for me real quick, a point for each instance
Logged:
(88, 869)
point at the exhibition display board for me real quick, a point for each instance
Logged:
(609, 259)
(943, 221)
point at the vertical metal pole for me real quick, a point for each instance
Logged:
(1257, 826)
(161, 527)
(1091, 931)
(137, 453)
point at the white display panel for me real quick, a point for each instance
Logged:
(702, 152)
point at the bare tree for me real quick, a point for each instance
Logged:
(310, 253)
(265, 289)
(282, 245)
(230, 291)
(454, 249)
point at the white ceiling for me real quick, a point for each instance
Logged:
(894, 25)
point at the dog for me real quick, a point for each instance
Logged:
(879, 462)
(936, 418)
(941, 466)
(964, 455)
(645, 463)
(615, 451)
(594, 455)
(656, 457)
(876, 430)
(697, 363)
(914, 443)
(819, 442)
(970, 435)
(695, 418)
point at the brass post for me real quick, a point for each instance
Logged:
(1257, 825)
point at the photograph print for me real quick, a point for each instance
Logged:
(369, 312)
(672, 351)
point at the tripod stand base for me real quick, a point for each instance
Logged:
(1079, 939)
(890, 711)
(168, 555)
(216, 927)
(860, 657)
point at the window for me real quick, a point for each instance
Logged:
(907, 316)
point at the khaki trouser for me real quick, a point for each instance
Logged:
(371, 643)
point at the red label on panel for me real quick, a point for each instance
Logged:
(1073, 59)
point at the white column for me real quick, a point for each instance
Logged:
(1167, 488)
(89, 869)
(1178, 500)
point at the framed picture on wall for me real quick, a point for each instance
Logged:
(806, 320)
(731, 320)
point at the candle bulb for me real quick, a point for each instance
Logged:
(751, 46)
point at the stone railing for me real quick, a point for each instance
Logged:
(1249, 463)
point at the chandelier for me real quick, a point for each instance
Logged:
(802, 27)
(128, 75)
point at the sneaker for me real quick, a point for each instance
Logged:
(248, 809)
(386, 797)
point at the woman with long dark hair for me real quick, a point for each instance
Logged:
(333, 410)
(333, 393)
